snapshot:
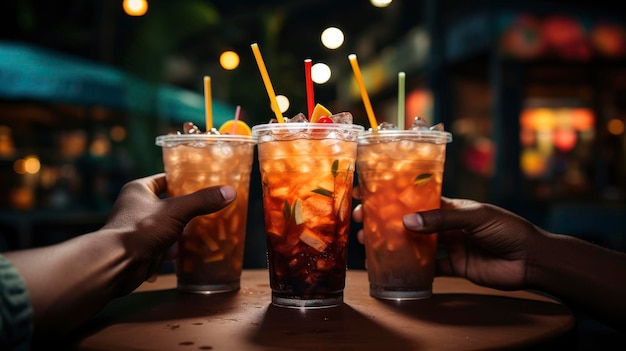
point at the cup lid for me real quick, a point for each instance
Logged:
(421, 135)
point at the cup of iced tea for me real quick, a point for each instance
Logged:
(400, 172)
(211, 247)
(307, 171)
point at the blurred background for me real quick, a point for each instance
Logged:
(534, 93)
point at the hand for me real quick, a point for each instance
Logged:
(151, 225)
(484, 243)
(72, 280)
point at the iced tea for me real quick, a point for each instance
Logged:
(210, 250)
(307, 171)
(399, 172)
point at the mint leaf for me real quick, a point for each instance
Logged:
(287, 210)
(422, 179)
(323, 192)
(334, 168)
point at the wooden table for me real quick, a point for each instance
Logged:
(459, 316)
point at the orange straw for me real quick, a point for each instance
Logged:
(309, 86)
(208, 110)
(364, 96)
(268, 83)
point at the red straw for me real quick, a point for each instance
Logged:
(309, 87)
(237, 111)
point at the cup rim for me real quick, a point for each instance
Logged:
(422, 135)
(161, 140)
(256, 129)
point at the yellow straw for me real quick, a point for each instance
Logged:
(364, 96)
(268, 83)
(208, 110)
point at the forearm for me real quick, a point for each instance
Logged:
(588, 277)
(69, 282)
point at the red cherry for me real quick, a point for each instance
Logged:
(325, 119)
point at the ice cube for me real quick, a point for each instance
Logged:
(313, 240)
(419, 123)
(190, 128)
(438, 127)
(387, 126)
(300, 117)
(342, 117)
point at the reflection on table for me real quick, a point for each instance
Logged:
(459, 316)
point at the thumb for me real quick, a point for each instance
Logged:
(454, 214)
(201, 202)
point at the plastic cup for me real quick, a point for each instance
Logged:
(211, 248)
(307, 171)
(399, 172)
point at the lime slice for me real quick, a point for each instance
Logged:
(240, 128)
(297, 212)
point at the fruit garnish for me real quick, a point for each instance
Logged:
(297, 212)
(313, 240)
(422, 179)
(325, 119)
(319, 111)
(240, 128)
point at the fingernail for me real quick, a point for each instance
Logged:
(228, 192)
(413, 221)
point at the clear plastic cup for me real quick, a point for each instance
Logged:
(307, 170)
(399, 172)
(211, 248)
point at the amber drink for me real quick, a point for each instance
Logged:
(210, 250)
(307, 171)
(399, 172)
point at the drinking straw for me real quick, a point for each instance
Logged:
(364, 96)
(309, 86)
(401, 100)
(267, 82)
(208, 110)
(237, 111)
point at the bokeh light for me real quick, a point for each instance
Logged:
(380, 3)
(615, 126)
(27, 165)
(332, 37)
(229, 60)
(135, 7)
(283, 103)
(320, 73)
(117, 133)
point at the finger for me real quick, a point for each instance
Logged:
(360, 236)
(156, 183)
(443, 268)
(171, 253)
(456, 214)
(356, 193)
(201, 202)
(357, 213)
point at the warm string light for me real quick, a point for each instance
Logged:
(135, 7)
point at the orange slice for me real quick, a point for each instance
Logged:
(241, 128)
(319, 111)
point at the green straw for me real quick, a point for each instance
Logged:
(401, 100)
